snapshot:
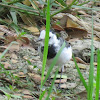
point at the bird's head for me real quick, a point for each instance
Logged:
(42, 36)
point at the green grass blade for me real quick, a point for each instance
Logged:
(32, 1)
(11, 95)
(13, 15)
(46, 40)
(98, 76)
(7, 49)
(86, 8)
(91, 71)
(52, 83)
(42, 94)
(24, 6)
(80, 74)
(46, 43)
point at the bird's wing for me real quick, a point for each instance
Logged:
(62, 41)
(51, 51)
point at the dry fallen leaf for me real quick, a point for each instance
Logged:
(9, 39)
(33, 29)
(23, 41)
(82, 12)
(24, 91)
(79, 60)
(64, 86)
(14, 47)
(68, 85)
(82, 66)
(26, 2)
(57, 27)
(14, 56)
(21, 73)
(76, 33)
(61, 81)
(70, 23)
(82, 95)
(28, 97)
(68, 2)
(72, 28)
(28, 20)
(36, 78)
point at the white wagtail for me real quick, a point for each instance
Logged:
(53, 48)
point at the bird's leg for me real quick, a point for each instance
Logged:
(62, 70)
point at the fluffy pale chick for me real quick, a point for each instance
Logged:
(53, 48)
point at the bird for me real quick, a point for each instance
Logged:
(54, 46)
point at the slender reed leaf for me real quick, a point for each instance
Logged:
(98, 76)
(86, 8)
(24, 6)
(11, 95)
(32, 2)
(42, 94)
(13, 15)
(52, 83)
(91, 71)
(7, 49)
(80, 74)
(46, 40)
(46, 43)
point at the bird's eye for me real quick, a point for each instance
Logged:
(49, 37)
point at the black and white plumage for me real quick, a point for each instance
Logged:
(54, 46)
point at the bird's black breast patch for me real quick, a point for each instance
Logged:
(51, 51)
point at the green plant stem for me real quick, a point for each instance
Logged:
(91, 71)
(45, 44)
(98, 76)
(52, 83)
(80, 74)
